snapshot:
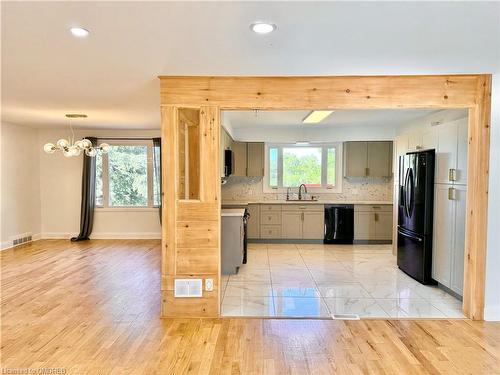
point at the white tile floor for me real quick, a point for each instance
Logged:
(314, 280)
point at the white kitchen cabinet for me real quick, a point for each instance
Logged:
(449, 236)
(458, 251)
(451, 153)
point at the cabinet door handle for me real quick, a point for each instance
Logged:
(452, 174)
(376, 217)
(451, 194)
(367, 171)
(302, 216)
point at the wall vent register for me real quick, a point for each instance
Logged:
(188, 288)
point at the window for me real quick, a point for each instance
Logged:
(125, 176)
(318, 166)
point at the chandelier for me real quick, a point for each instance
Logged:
(71, 148)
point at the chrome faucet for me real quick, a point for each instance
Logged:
(300, 191)
(287, 193)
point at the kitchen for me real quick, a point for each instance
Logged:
(330, 247)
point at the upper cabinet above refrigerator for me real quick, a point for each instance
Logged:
(451, 153)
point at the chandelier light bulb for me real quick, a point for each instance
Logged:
(86, 143)
(80, 144)
(104, 147)
(91, 152)
(49, 148)
(67, 152)
(62, 143)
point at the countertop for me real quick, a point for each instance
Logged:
(233, 212)
(244, 203)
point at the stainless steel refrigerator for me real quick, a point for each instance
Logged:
(416, 202)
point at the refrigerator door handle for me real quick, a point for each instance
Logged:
(411, 195)
(405, 200)
(404, 234)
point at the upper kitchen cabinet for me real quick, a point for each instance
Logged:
(240, 158)
(368, 159)
(255, 159)
(248, 159)
(451, 153)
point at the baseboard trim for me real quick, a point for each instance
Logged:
(492, 313)
(107, 236)
(126, 236)
(8, 244)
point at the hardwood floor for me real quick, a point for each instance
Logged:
(93, 308)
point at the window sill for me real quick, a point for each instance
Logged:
(126, 209)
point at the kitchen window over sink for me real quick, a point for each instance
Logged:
(317, 165)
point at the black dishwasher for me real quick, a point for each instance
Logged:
(339, 224)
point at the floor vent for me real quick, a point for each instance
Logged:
(22, 239)
(345, 316)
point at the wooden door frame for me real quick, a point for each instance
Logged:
(336, 92)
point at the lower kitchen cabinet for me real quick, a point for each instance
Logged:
(313, 225)
(302, 221)
(253, 226)
(373, 222)
(449, 236)
(291, 224)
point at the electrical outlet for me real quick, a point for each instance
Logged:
(209, 285)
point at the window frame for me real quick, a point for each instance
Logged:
(335, 189)
(150, 180)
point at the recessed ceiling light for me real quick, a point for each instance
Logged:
(315, 117)
(79, 32)
(262, 27)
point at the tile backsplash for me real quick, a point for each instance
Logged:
(251, 189)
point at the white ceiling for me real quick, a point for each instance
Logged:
(112, 75)
(264, 120)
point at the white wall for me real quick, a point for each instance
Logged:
(60, 187)
(20, 186)
(492, 298)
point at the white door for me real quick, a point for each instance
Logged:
(443, 235)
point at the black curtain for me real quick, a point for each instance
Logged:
(157, 169)
(88, 195)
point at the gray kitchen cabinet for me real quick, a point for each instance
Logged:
(253, 226)
(302, 221)
(373, 222)
(379, 159)
(240, 158)
(355, 159)
(291, 224)
(313, 225)
(255, 159)
(368, 159)
(364, 226)
(383, 226)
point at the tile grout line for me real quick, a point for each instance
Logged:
(315, 283)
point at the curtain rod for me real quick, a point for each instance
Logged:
(126, 139)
